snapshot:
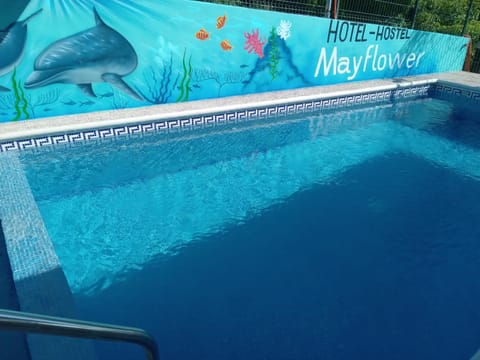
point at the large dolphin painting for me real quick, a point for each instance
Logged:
(12, 45)
(98, 54)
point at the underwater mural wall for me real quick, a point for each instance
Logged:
(76, 56)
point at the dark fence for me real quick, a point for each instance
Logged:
(475, 67)
(312, 7)
(393, 12)
(397, 13)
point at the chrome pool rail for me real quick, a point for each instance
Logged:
(52, 325)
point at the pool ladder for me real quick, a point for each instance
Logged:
(51, 325)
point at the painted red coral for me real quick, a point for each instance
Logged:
(253, 43)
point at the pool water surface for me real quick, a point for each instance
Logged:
(373, 267)
(338, 236)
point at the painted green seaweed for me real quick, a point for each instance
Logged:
(187, 77)
(28, 102)
(20, 102)
(24, 100)
(274, 54)
(17, 96)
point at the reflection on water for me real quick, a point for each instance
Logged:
(381, 264)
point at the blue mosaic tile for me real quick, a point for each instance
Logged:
(23, 227)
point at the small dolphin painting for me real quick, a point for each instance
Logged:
(98, 54)
(12, 45)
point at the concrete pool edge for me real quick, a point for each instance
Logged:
(53, 130)
(40, 284)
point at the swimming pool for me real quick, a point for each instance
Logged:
(350, 234)
(320, 230)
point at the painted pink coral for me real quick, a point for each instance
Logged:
(253, 43)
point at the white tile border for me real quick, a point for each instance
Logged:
(217, 118)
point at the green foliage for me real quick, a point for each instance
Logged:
(391, 12)
(448, 16)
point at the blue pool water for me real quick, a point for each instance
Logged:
(332, 236)
(13, 344)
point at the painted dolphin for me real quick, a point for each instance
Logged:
(12, 45)
(98, 54)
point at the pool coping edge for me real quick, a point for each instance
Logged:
(51, 126)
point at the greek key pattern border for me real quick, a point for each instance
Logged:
(449, 91)
(218, 119)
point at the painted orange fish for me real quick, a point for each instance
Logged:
(221, 21)
(225, 45)
(202, 34)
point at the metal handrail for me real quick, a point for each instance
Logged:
(52, 325)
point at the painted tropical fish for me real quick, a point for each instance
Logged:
(12, 45)
(221, 21)
(225, 45)
(202, 34)
(98, 54)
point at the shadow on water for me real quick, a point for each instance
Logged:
(382, 264)
(48, 293)
(45, 293)
(12, 344)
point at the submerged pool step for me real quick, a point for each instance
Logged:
(476, 356)
(39, 280)
(171, 210)
(122, 161)
(224, 192)
(446, 153)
